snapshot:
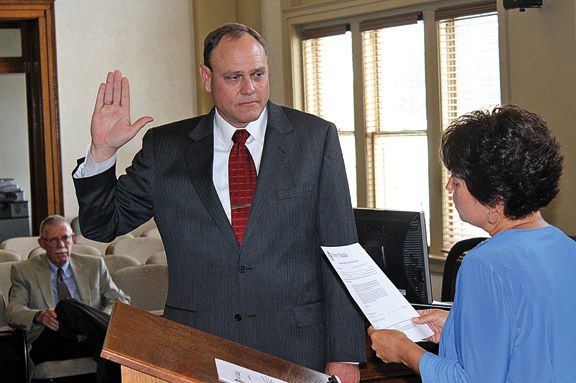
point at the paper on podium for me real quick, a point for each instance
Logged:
(378, 298)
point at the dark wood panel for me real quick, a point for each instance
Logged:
(12, 65)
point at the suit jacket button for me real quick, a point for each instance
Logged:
(242, 269)
(238, 317)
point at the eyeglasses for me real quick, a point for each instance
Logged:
(56, 240)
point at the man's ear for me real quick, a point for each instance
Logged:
(206, 76)
(42, 243)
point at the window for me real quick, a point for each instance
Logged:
(395, 113)
(470, 79)
(328, 79)
(377, 97)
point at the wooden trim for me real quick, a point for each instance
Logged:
(39, 54)
(391, 21)
(12, 65)
(465, 10)
(331, 30)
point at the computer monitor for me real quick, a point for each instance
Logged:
(397, 242)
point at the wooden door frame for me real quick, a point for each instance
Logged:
(42, 99)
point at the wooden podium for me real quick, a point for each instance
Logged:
(152, 349)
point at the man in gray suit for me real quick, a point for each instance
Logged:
(262, 282)
(37, 294)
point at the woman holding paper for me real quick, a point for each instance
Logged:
(512, 318)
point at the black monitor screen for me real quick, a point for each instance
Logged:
(397, 242)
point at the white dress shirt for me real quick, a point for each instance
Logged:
(223, 132)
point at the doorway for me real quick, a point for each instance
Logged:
(34, 67)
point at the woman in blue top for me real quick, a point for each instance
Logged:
(512, 318)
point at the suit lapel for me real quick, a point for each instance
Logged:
(82, 284)
(277, 145)
(199, 159)
(43, 278)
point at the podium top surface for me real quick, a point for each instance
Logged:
(176, 353)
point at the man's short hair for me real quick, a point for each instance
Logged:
(53, 220)
(232, 31)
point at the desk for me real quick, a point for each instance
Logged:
(374, 370)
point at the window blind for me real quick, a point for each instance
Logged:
(470, 80)
(328, 87)
(395, 113)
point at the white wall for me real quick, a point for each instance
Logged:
(542, 51)
(150, 41)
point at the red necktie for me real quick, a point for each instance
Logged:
(241, 182)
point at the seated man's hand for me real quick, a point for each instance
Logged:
(48, 319)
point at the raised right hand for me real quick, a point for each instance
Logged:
(435, 319)
(111, 128)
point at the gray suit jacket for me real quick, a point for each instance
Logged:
(32, 289)
(276, 293)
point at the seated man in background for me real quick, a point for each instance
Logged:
(63, 300)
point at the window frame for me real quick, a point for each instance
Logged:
(353, 13)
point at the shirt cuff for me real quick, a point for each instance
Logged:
(90, 168)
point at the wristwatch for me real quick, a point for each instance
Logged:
(35, 319)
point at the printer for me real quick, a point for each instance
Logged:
(12, 204)
(14, 221)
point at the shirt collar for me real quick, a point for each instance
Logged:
(223, 130)
(54, 268)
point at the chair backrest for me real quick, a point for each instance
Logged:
(453, 261)
(151, 233)
(75, 225)
(147, 285)
(5, 282)
(140, 248)
(81, 240)
(118, 261)
(78, 249)
(9, 256)
(157, 259)
(3, 321)
(151, 224)
(87, 250)
(20, 245)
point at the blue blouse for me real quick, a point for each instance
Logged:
(513, 318)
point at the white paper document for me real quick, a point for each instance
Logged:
(378, 298)
(232, 373)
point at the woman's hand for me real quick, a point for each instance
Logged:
(435, 319)
(394, 347)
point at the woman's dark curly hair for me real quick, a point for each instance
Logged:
(505, 155)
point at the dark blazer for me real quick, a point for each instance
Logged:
(276, 293)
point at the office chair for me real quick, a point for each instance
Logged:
(147, 286)
(158, 258)
(20, 245)
(9, 256)
(140, 247)
(452, 264)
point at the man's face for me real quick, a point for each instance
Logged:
(238, 80)
(57, 240)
